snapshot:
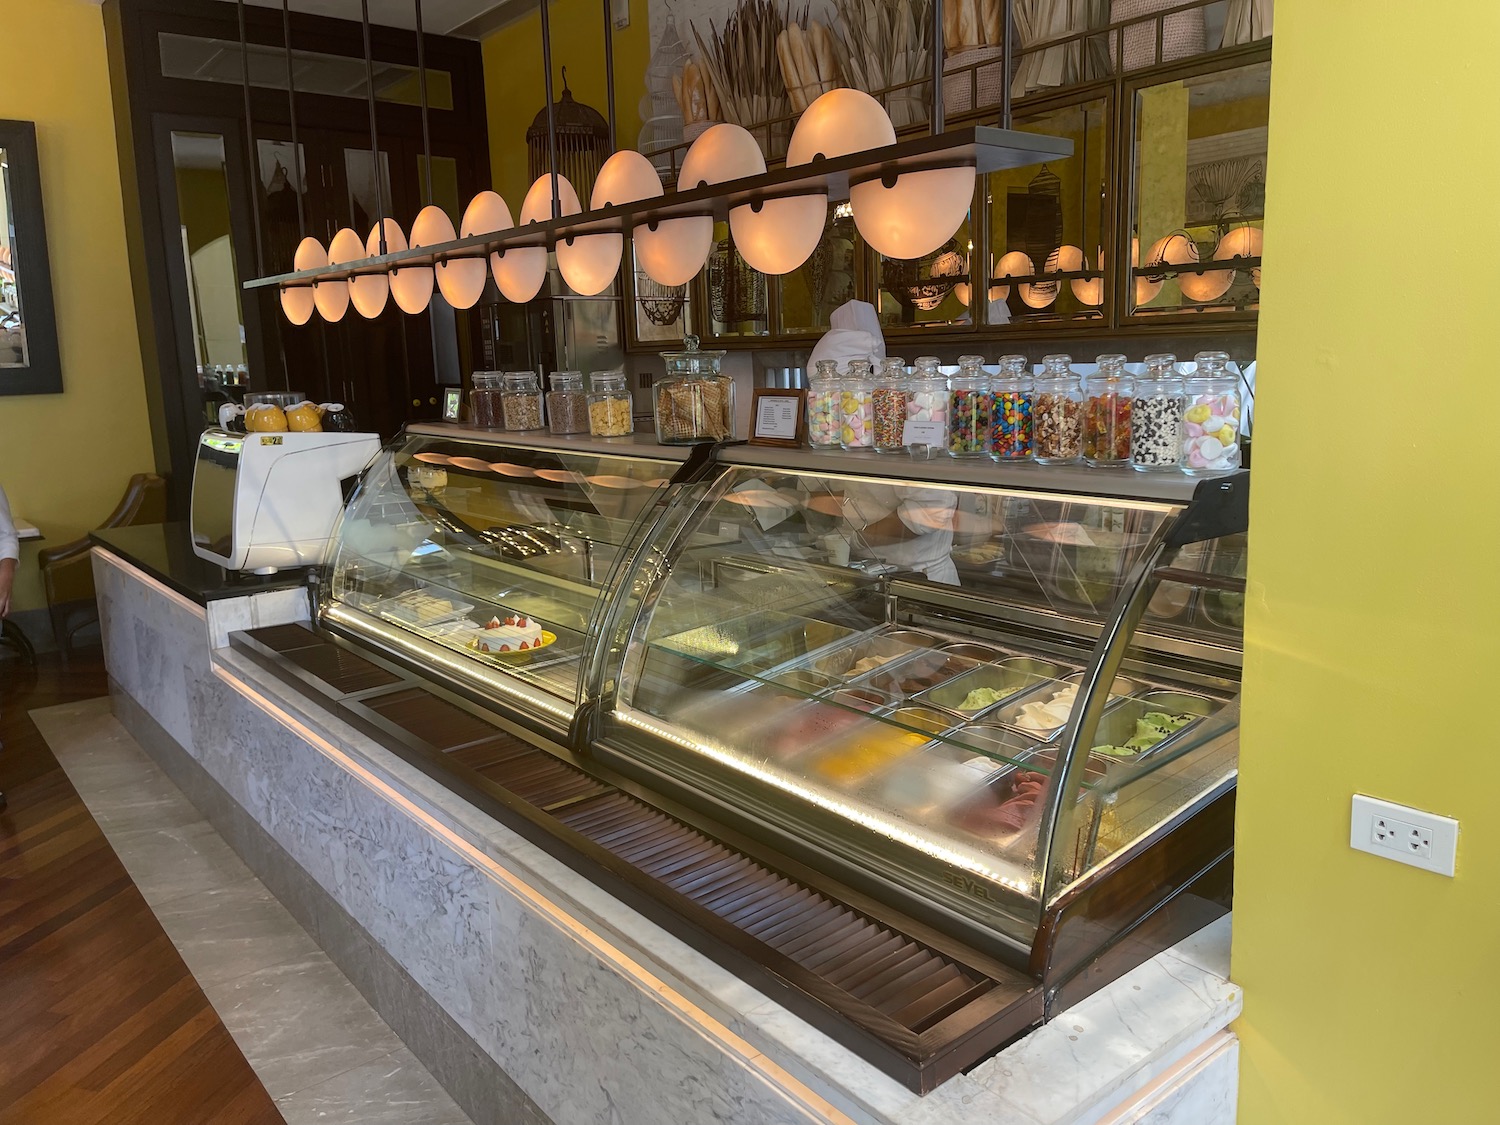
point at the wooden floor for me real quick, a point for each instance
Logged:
(100, 1020)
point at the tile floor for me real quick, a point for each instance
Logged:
(320, 1050)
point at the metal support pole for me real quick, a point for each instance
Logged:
(299, 170)
(252, 166)
(609, 69)
(422, 87)
(551, 110)
(364, 9)
(1007, 37)
(937, 67)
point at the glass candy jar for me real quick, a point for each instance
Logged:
(1211, 417)
(928, 407)
(892, 393)
(1156, 420)
(484, 399)
(521, 401)
(1010, 432)
(970, 408)
(610, 405)
(694, 400)
(856, 406)
(823, 419)
(1107, 398)
(567, 404)
(1057, 413)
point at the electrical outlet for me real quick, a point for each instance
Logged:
(1407, 835)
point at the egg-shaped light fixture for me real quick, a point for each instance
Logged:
(1243, 242)
(298, 301)
(520, 271)
(370, 291)
(412, 286)
(1041, 294)
(488, 213)
(838, 123)
(461, 280)
(589, 262)
(1014, 263)
(1086, 290)
(332, 297)
(917, 213)
(345, 246)
(672, 251)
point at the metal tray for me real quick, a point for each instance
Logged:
(1009, 713)
(1011, 675)
(933, 668)
(1118, 724)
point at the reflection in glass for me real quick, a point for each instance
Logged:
(283, 178)
(810, 294)
(1200, 190)
(213, 291)
(921, 292)
(359, 174)
(736, 293)
(1052, 220)
(12, 328)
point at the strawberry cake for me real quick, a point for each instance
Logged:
(508, 634)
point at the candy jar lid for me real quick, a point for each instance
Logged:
(1013, 370)
(892, 370)
(1160, 366)
(607, 381)
(858, 371)
(692, 360)
(1057, 367)
(521, 381)
(481, 380)
(567, 380)
(927, 366)
(1111, 377)
(827, 371)
(971, 372)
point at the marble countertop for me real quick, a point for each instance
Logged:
(165, 552)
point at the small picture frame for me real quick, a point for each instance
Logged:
(452, 399)
(778, 416)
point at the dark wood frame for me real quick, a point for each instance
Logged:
(797, 394)
(42, 374)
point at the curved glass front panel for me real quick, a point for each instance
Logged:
(883, 669)
(490, 554)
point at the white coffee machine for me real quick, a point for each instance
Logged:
(264, 502)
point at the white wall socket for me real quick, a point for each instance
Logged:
(1407, 835)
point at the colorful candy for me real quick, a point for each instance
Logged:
(857, 411)
(1106, 432)
(824, 421)
(1211, 434)
(970, 413)
(1156, 431)
(890, 405)
(1057, 427)
(1010, 433)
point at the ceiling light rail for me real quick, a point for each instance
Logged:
(985, 148)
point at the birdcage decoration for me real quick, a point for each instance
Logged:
(1044, 222)
(661, 116)
(582, 142)
(924, 283)
(737, 293)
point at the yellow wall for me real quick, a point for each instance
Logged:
(65, 459)
(1374, 602)
(514, 82)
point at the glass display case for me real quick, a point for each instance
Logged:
(1003, 688)
(482, 555)
(932, 749)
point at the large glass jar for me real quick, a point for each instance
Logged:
(694, 401)
(856, 406)
(970, 408)
(823, 420)
(1057, 413)
(484, 399)
(1211, 417)
(928, 409)
(1156, 420)
(610, 405)
(892, 393)
(567, 404)
(1107, 398)
(521, 401)
(1010, 433)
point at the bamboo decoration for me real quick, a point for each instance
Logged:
(880, 44)
(809, 62)
(742, 66)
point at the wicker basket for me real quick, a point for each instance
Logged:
(988, 82)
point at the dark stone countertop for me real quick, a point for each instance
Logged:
(165, 552)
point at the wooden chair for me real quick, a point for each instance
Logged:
(68, 572)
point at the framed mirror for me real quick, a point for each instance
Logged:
(29, 360)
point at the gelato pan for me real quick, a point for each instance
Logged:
(867, 655)
(1048, 708)
(1001, 811)
(988, 684)
(1150, 728)
(1139, 724)
(863, 750)
(911, 677)
(936, 778)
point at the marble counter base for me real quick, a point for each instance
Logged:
(592, 1011)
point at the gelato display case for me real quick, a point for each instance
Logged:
(929, 750)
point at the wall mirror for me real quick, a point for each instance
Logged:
(29, 361)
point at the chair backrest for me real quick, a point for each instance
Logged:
(145, 501)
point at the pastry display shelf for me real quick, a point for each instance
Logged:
(985, 148)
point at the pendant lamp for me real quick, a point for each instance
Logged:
(1243, 242)
(411, 286)
(299, 301)
(520, 271)
(1146, 288)
(462, 280)
(1015, 263)
(589, 262)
